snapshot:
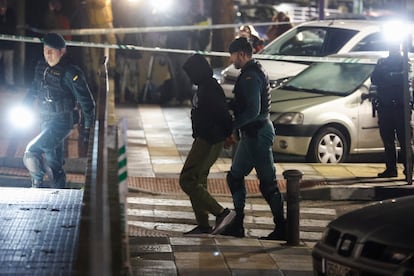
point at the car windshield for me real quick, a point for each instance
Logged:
(331, 78)
(310, 41)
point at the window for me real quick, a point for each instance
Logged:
(310, 41)
(373, 42)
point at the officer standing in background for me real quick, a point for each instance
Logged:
(388, 76)
(251, 106)
(57, 87)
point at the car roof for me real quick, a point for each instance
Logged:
(344, 24)
(366, 55)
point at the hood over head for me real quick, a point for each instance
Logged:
(198, 69)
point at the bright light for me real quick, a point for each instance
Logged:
(395, 31)
(21, 117)
(161, 6)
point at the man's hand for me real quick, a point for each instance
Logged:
(231, 140)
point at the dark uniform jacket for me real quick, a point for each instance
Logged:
(389, 78)
(59, 88)
(210, 116)
(251, 101)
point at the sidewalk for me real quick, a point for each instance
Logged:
(158, 142)
(160, 138)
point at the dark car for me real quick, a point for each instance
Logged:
(258, 13)
(374, 240)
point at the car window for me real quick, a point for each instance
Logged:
(310, 41)
(256, 14)
(331, 78)
(373, 42)
(335, 40)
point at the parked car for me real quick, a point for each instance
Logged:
(319, 113)
(289, 54)
(374, 240)
(257, 13)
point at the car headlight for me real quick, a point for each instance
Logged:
(277, 83)
(290, 118)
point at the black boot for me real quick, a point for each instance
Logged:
(236, 228)
(276, 206)
(59, 179)
(389, 173)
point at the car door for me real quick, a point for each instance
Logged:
(368, 134)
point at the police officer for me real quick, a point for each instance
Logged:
(388, 76)
(57, 87)
(251, 117)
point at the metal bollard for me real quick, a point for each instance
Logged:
(293, 178)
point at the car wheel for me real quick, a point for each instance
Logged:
(328, 146)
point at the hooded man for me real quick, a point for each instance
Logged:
(211, 123)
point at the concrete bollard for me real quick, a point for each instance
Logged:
(293, 178)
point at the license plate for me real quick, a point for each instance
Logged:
(334, 269)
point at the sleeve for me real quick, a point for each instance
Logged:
(75, 80)
(30, 97)
(32, 92)
(250, 90)
(222, 115)
(375, 76)
(212, 103)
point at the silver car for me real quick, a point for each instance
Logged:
(319, 113)
(292, 52)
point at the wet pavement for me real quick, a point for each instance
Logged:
(39, 231)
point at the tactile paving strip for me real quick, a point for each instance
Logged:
(38, 231)
(216, 186)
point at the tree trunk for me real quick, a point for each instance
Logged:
(222, 13)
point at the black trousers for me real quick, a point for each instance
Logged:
(391, 126)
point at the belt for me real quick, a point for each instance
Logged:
(252, 128)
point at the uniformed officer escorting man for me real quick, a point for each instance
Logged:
(388, 76)
(251, 117)
(58, 86)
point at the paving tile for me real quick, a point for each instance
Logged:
(143, 267)
(199, 261)
(251, 260)
(191, 241)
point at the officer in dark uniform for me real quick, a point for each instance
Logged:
(251, 106)
(58, 86)
(388, 76)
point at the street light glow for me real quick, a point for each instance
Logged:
(395, 31)
(21, 117)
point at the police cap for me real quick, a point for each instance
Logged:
(54, 40)
(240, 45)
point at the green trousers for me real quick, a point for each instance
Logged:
(193, 179)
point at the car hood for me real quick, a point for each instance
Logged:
(287, 100)
(275, 69)
(387, 222)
